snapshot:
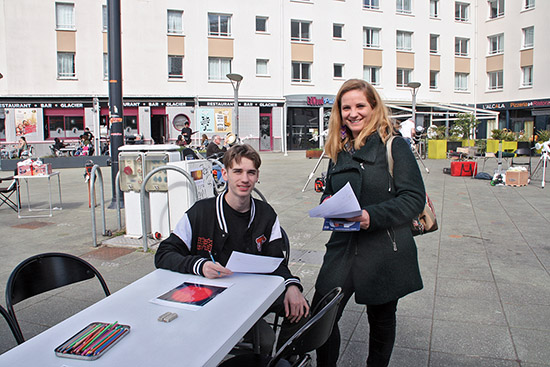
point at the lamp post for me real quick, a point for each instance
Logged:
(414, 89)
(235, 82)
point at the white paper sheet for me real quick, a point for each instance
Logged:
(343, 204)
(240, 262)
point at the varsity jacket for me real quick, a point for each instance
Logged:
(199, 231)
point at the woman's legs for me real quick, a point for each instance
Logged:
(382, 324)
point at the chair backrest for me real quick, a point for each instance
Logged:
(286, 246)
(315, 332)
(11, 324)
(44, 272)
(523, 151)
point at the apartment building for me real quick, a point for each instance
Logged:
(481, 56)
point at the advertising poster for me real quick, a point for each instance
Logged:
(223, 120)
(205, 120)
(25, 121)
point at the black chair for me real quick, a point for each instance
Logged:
(45, 272)
(11, 324)
(310, 337)
(8, 188)
(286, 251)
(522, 152)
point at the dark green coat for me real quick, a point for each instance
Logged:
(382, 259)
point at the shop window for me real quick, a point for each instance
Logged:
(175, 21)
(2, 125)
(64, 16)
(130, 125)
(371, 4)
(64, 126)
(301, 72)
(372, 74)
(404, 40)
(403, 77)
(461, 46)
(462, 12)
(496, 44)
(299, 30)
(175, 67)
(179, 121)
(219, 25)
(404, 6)
(218, 68)
(65, 65)
(371, 37)
(461, 82)
(261, 24)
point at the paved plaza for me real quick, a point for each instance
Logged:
(486, 271)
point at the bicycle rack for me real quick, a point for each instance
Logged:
(142, 196)
(95, 169)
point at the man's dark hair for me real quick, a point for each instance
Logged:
(236, 153)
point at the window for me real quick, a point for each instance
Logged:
(219, 25)
(529, 4)
(338, 71)
(496, 8)
(64, 16)
(371, 37)
(403, 77)
(461, 46)
(462, 12)
(301, 72)
(461, 81)
(261, 67)
(371, 74)
(495, 79)
(528, 37)
(104, 18)
(496, 44)
(218, 68)
(3, 124)
(106, 66)
(434, 79)
(434, 8)
(527, 76)
(65, 65)
(63, 126)
(338, 31)
(403, 6)
(175, 21)
(434, 43)
(371, 4)
(299, 30)
(175, 67)
(261, 24)
(404, 40)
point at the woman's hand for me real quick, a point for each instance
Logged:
(363, 219)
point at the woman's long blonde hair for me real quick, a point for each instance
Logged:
(379, 120)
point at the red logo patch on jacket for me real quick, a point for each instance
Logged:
(260, 241)
(204, 244)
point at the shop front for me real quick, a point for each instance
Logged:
(307, 120)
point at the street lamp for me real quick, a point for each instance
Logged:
(235, 82)
(414, 89)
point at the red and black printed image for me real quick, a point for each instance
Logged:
(192, 294)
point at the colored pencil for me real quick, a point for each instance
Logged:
(85, 341)
(118, 336)
(96, 337)
(107, 341)
(71, 342)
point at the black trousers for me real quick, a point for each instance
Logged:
(382, 325)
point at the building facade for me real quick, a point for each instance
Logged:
(293, 56)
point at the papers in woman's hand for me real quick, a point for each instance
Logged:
(343, 204)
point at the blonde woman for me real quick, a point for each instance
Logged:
(379, 262)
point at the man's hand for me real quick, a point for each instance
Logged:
(363, 219)
(214, 270)
(296, 305)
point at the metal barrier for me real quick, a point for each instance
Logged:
(117, 198)
(142, 196)
(95, 169)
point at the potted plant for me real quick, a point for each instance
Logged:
(465, 125)
(314, 153)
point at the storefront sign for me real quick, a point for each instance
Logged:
(46, 105)
(241, 104)
(516, 105)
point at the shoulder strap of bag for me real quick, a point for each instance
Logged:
(389, 156)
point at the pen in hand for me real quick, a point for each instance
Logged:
(214, 261)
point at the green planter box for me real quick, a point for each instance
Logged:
(492, 145)
(437, 149)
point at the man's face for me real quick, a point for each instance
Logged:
(217, 140)
(241, 177)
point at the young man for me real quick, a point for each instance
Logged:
(186, 132)
(213, 228)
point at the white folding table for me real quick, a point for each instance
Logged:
(195, 338)
(51, 208)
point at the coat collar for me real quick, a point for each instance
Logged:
(220, 214)
(368, 152)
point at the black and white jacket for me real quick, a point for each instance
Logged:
(200, 231)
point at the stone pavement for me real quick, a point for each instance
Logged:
(486, 296)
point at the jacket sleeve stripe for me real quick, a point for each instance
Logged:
(183, 231)
(275, 231)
